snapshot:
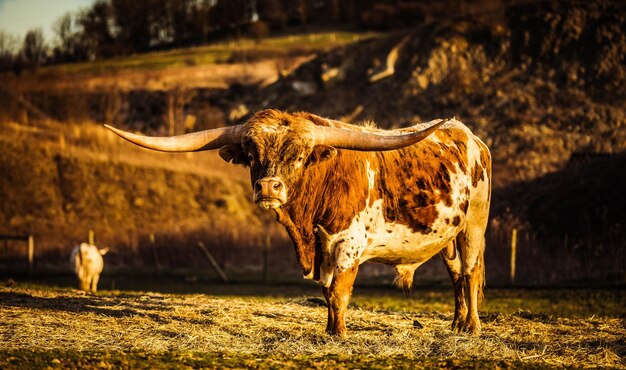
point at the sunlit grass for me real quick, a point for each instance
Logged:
(564, 303)
(210, 54)
(150, 329)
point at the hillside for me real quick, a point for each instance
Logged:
(216, 65)
(544, 81)
(151, 209)
(544, 84)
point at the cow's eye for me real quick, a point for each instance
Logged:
(300, 159)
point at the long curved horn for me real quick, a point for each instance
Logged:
(193, 142)
(369, 141)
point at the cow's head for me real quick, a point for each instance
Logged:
(278, 147)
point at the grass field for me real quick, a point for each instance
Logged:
(282, 326)
(211, 54)
(214, 66)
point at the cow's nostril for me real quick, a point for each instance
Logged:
(257, 187)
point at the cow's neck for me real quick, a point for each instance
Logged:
(329, 194)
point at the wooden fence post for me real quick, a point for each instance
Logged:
(513, 254)
(30, 240)
(155, 253)
(212, 261)
(31, 254)
(266, 264)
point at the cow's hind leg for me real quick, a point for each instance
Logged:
(338, 297)
(472, 245)
(452, 259)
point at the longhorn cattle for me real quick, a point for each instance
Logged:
(87, 263)
(347, 194)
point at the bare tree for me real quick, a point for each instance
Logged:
(67, 40)
(34, 50)
(97, 34)
(8, 50)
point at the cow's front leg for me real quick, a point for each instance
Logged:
(338, 297)
(331, 314)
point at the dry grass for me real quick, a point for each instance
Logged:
(190, 77)
(59, 320)
(211, 66)
(92, 141)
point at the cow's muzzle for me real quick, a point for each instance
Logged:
(270, 192)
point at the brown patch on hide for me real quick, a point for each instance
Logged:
(478, 174)
(482, 170)
(456, 221)
(485, 161)
(336, 191)
(464, 206)
(485, 158)
(454, 143)
(413, 180)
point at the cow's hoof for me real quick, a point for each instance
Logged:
(457, 325)
(338, 332)
(472, 328)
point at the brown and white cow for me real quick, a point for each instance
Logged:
(348, 194)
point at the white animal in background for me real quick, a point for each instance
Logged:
(87, 263)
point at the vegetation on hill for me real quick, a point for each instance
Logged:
(223, 52)
(151, 209)
(113, 28)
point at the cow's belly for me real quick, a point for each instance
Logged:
(397, 244)
(371, 238)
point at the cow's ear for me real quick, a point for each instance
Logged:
(321, 153)
(233, 154)
(103, 251)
